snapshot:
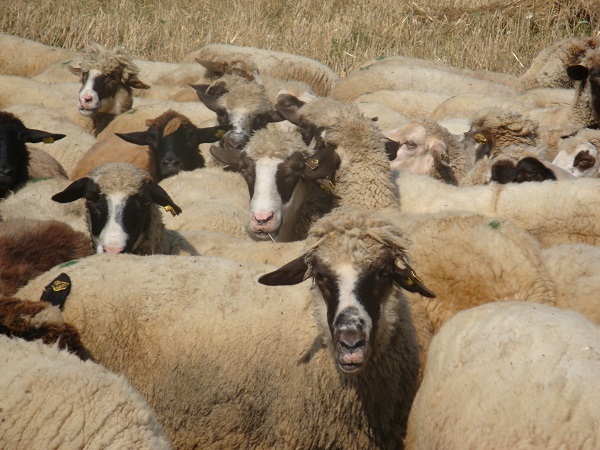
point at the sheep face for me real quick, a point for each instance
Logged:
(582, 161)
(588, 74)
(105, 92)
(174, 142)
(417, 151)
(245, 108)
(272, 164)
(355, 272)
(14, 156)
(119, 209)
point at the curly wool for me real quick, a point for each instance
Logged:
(506, 127)
(108, 61)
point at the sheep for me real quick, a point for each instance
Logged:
(578, 154)
(25, 58)
(33, 201)
(14, 156)
(384, 117)
(411, 78)
(283, 66)
(40, 320)
(553, 212)
(273, 410)
(411, 104)
(42, 165)
(282, 204)
(122, 215)
(574, 267)
(424, 146)
(68, 150)
(509, 375)
(174, 142)
(31, 247)
(52, 399)
(107, 78)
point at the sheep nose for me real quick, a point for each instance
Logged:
(235, 140)
(262, 219)
(7, 171)
(113, 250)
(171, 162)
(351, 340)
(86, 98)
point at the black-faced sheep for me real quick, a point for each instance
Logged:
(107, 81)
(14, 156)
(122, 213)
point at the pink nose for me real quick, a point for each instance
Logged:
(85, 99)
(112, 249)
(263, 218)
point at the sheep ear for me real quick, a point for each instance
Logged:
(75, 70)
(440, 153)
(135, 137)
(160, 197)
(288, 106)
(72, 192)
(35, 136)
(200, 87)
(293, 272)
(210, 134)
(578, 72)
(209, 101)
(228, 156)
(134, 82)
(407, 279)
(504, 172)
(212, 66)
(391, 148)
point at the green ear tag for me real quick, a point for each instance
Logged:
(48, 140)
(220, 133)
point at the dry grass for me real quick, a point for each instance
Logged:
(480, 34)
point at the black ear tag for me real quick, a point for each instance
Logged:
(57, 291)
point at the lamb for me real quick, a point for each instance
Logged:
(25, 58)
(122, 215)
(509, 375)
(68, 150)
(578, 154)
(14, 156)
(31, 247)
(424, 146)
(280, 411)
(107, 78)
(553, 212)
(76, 405)
(282, 204)
(283, 66)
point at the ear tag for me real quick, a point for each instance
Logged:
(48, 140)
(409, 281)
(58, 286)
(171, 210)
(220, 133)
(480, 138)
(137, 85)
(312, 164)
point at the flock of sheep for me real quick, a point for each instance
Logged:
(449, 221)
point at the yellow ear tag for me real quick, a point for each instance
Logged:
(480, 138)
(313, 164)
(59, 285)
(48, 140)
(220, 133)
(137, 85)
(171, 210)
(330, 184)
(409, 281)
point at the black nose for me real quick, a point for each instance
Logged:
(171, 162)
(7, 171)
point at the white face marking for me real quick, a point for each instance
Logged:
(266, 201)
(240, 121)
(113, 237)
(566, 160)
(88, 97)
(347, 279)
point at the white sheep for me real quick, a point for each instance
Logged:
(283, 66)
(411, 104)
(554, 212)
(510, 375)
(578, 154)
(52, 399)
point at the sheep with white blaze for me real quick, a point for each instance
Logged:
(510, 375)
(52, 399)
(107, 81)
(122, 208)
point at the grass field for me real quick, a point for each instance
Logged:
(480, 34)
